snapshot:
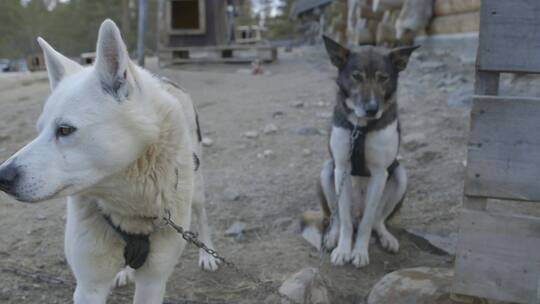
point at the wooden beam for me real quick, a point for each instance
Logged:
(504, 148)
(509, 40)
(497, 256)
(452, 24)
(452, 7)
(141, 32)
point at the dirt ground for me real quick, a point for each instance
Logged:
(266, 192)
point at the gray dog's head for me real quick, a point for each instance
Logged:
(367, 78)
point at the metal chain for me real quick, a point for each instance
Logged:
(356, 131)
(192, 237)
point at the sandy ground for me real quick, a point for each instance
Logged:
(272, 191)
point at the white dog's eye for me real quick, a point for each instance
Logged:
(65, 130)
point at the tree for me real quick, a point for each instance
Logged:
(280, 25)
(70, 26)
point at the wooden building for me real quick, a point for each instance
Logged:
(310, 16)
(203, 31)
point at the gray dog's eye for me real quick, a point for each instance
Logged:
(358, 76)
(65, 130)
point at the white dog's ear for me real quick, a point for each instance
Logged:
(58, 65)
(112, 60)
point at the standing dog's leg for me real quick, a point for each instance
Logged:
(393, 195)
(375, 188)
(340, 145)
(93, 251)
(329, 191)
(206, 261)
(151, 278)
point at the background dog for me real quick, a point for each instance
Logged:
(363, 182)
(123, 146)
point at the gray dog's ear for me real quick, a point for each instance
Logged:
(112, 60)
(58, 65)
(338, 54)
(400, 56)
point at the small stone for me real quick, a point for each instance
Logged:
(231, 195)
(268, 153)
(306, 152)
(434, 243)
(270, 129)
(305, 287)
(278, 114)
(41, 217)
(307, 131)
(297, 104)
(207, 142)
(421, 285)
(251, 134)
(322, 104)
(236, 229)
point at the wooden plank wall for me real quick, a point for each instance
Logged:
(510, 37)
(504, 148)
(498, 256)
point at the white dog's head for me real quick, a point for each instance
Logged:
(95, 123)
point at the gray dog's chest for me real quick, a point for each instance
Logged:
(358, 157)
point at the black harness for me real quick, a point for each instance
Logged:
(137, 244)
(358, 156)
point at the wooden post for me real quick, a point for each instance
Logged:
(141, 31)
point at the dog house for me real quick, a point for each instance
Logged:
(202, 31)
(190, 23)
(35, 62)
(248, 34)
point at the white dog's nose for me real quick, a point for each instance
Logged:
(8, 178)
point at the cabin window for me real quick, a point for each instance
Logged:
(187, 16)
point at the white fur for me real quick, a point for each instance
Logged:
(130, 158)
(373, 197)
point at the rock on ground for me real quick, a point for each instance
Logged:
(236, 228)
(231, 195)
(305, 287)
(422, 285)
(207, 142)
(270, 129)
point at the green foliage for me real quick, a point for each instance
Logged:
(280, 26)
(71, 27)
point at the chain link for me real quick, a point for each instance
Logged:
(356, 131)
(192, 237)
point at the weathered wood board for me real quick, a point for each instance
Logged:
(451, 7)
(504, 148)
(452, 24)
(217, 54)
(387, 5)
(498, 256)
(510, 36)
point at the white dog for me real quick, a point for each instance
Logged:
(123, 146)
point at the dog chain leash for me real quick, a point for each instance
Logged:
(192, 237)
